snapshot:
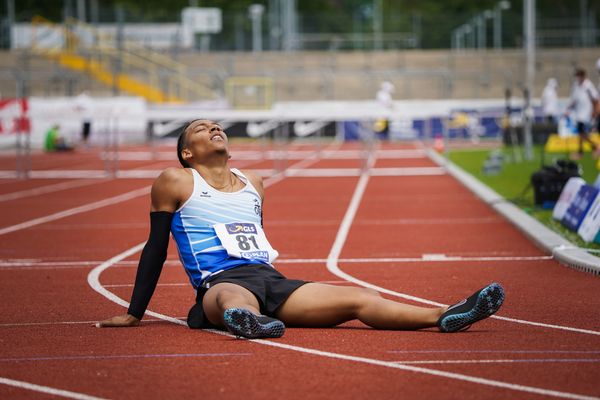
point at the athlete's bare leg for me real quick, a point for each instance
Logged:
(319, 305)
(227, 295)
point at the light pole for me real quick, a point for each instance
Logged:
(256, 12)
(487, 14)
(480, 26)
(474, 29)
(501, 6)
(471, 29)
(529, 30)
(457, 35)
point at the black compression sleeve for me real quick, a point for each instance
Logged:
(151, 262)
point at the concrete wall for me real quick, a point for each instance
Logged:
(416, 74)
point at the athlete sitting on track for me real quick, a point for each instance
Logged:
(214, 213)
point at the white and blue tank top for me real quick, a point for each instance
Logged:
(200, 250)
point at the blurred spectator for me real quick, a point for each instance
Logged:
(550, 102)
(384, 98)
(384, 94)
(85, 107)
(598, 116)
(55, 141)
(584, 99)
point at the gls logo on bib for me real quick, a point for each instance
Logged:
(240, 227)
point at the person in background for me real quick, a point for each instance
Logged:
(55, 141)
(550, 102)
(582, 103)
(84, 106)
(598, 86)
(384, 98)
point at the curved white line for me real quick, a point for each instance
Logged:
(340, 239)
(93, 281)
(48, 390)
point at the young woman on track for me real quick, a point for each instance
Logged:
(215, 215)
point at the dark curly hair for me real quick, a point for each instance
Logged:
(181, 143)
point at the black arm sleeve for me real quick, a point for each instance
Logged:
(151, 262)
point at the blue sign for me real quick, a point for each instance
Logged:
(579, 207)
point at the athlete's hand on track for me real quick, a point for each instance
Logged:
(119, 321)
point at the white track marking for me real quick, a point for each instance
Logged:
(462, 351)
(77, 210)
(46, 189)
(188, 284)
(122, 356)
(158, 284)
(296, 170)
(503, 361)
(17, 324)
(48, 390)
(93, 281)
(253, 155)
(340, 239)
(39, 264)
(422, 259)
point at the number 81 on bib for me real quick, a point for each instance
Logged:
(246, 240)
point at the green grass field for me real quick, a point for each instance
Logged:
(513, 181)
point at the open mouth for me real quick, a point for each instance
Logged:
(217, 137)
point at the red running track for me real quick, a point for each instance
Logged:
(423, 236)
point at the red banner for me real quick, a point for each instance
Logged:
(13, 116)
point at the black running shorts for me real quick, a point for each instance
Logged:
(270, 288)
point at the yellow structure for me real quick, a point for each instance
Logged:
(140, 72)
(569, 144)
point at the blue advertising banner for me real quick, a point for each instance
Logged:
(579, 207)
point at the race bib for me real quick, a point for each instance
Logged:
(246, 240)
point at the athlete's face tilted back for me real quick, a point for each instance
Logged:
(204, 138)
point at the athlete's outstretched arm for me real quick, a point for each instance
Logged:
(165, 200)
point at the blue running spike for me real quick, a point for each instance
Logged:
(243, 323)
(480, 305)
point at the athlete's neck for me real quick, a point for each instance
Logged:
(219, 177)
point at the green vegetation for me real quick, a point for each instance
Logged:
(513, 181)
(432, 20)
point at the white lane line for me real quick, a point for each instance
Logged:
(32, 264)
(495, 351)
(188, 284)
(46, 389)
(425, 258)
(159, 284)
(298, 170)
(341, 172)
(94, 282)
(39, 263)
(46, 189)
(503, 361)
(332, 265)
(122, 356)
(19, 324)
(253, 155)
(77, 210)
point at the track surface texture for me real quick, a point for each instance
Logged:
(69, 255)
